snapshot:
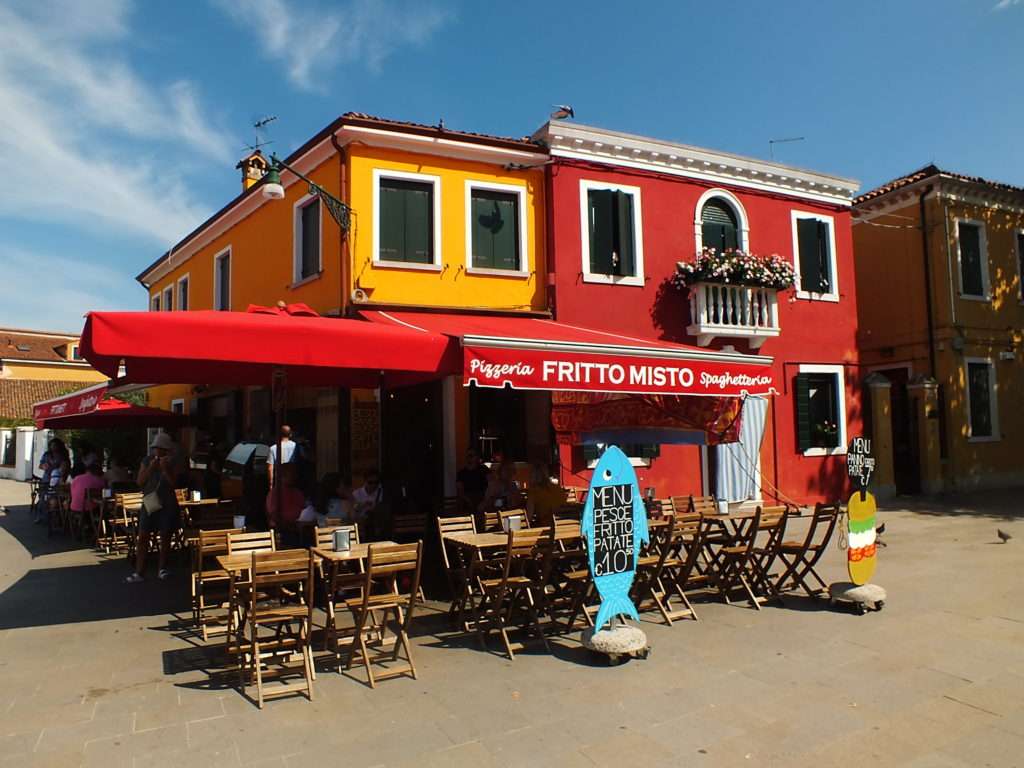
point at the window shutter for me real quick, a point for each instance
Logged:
(419, 224)
(310, 239)
(824, 258)
(391, 223)
(495, 230)
(978, 393)
(506, 239)
(483, 240)
(599, 205)
(970, 259)
(1020, 262)
(648, 451)
(807, 235)
(718, 226)
(590, 452)
(624, 236)
(802, 401)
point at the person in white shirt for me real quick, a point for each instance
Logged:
(287, 452)
(366, 501)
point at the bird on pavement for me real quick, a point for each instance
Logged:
(1003, 535)
(878, 536)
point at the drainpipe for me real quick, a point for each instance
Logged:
(549, 238)
(343, 250)
(927, 282)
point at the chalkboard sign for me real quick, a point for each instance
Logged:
(613, 529)
(860, 464)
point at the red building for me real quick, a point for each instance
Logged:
(624, 210)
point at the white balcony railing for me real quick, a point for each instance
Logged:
(721, 309)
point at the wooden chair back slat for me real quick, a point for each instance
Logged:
(324, 537)
(257, 541)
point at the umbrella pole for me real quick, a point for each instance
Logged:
(280, 397)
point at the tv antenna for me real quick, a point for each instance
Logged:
(258, 127)
(773, 142)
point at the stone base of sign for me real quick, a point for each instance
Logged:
(861, 596)
(617, 643)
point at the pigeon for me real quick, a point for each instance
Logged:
(880, 530)
(562, 111)
(1003, 535)
(878, 536)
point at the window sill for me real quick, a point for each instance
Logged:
(636, 281)
(973, 297)
(985, 439)
(833, 297)
(839, 450)
(489, 272)
(406, 265)
(303, 281)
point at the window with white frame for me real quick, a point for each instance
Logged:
(306, 257)
(8, 443)
(168, 299)
(982, 414)
(407, 219)
(154, 302)
(721, 222)
(178, 406)
(183, 293)
(611, 233)
(222, 280)
(814, 251)
(820, 404)
(495, 228)
(972, 252)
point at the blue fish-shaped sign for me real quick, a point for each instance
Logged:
(614, 524)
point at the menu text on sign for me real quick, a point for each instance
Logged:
(613, 529)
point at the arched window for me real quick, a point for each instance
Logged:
(719, 228)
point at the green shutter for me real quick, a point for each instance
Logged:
(419, 223)
(391, 223)
(601, 215)
(808, 242)
(978, 395)
(970, 259)
(802, 401)
(495, 230)
(1020, 263)
(624, 238)
(590, 452)
(483, 214)
(824, 257)
(718, 226)
(310, 239)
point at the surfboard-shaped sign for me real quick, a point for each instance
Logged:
(614, 524)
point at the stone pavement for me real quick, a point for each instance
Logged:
(96, 672)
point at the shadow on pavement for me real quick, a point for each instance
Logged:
(18, 523)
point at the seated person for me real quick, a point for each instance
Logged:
(471, 481)
(283, 511)
(368, 502)
(117, 472)
(334, 500)
(91, 479)
(502, 489)
(543, 497)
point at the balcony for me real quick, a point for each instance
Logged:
(724, 309)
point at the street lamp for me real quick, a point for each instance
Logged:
(274, 190)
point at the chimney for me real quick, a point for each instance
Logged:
(253, 166)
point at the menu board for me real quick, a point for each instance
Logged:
(860, 464)
(613, 529)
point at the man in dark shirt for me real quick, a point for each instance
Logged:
(471, 482)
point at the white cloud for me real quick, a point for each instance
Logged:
(52, 292)
(309, 41)
(1002, 5)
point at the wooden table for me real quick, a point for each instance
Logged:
(355, 552)
(493, 540)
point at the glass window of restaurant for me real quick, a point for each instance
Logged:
(510, 424)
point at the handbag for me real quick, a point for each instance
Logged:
(151, 503)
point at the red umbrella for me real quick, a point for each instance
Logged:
(239, 348)
(113, 414)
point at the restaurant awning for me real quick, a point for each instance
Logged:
(240, 348)
(536, 353)
(90, 408)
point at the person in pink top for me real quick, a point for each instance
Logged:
(81, 485)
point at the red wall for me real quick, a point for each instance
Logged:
(812, 331)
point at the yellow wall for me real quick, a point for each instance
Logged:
(451, 285)
(55, 372)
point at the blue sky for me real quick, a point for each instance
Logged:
(121, 121)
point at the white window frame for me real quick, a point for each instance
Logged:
(226, 253)
(743, 224)
(986, 284)
(154, 301)
(176, 401)
(379, 174)
(524, 259)
(297, 278)
(1018, 233)
(73, 353)
(993, 405)
(832, 295)
(840, 372)
(186, 279)
(586, 185)
(634, 461)
(167, 302)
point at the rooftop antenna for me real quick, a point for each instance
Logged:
(773, 142)
(258, 127)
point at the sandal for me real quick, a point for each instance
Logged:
(164, 574)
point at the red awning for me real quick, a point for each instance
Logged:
(239, 348)
(87, 409)
(534, 353)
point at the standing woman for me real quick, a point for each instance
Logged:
(159, 512)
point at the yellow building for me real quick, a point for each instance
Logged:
(939, 258)
(437, 219)
(34, 366)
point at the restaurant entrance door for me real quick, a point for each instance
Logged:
(412, 454)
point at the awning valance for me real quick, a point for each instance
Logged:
(536, 353)
(90, 408)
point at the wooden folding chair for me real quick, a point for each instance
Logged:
(243, 544)
(681, 575)
(765, 553)
(732, 561)
(210, 582)
(575, 494)
(387, 565)
(800, 557)
(280, 599)
(491, 520)
(410, 526)
(339, 579)
(514, 588)
(506, 515)
(456, 566)
(648, 586)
